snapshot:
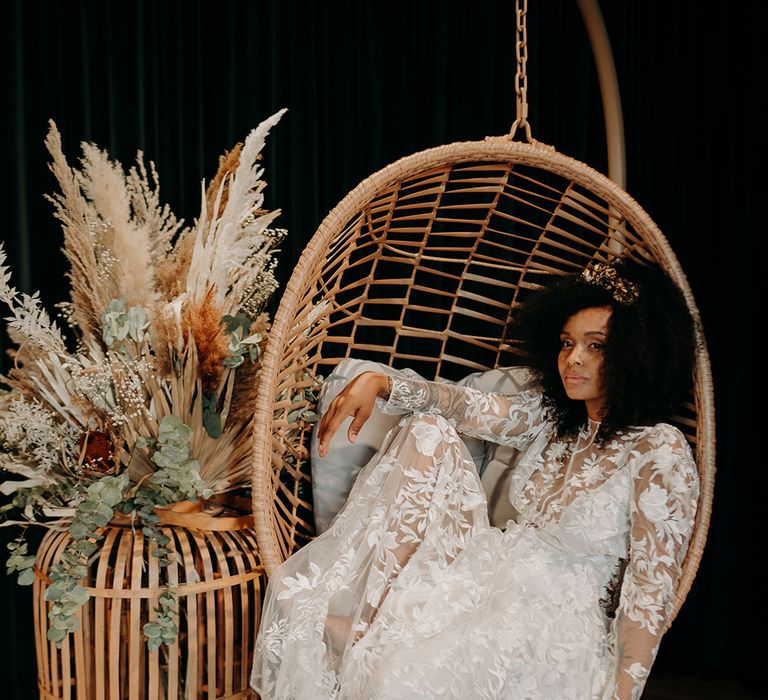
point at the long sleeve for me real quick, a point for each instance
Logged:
(508, 420)
(662, 511)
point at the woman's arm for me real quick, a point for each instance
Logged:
(662, 511)
(499, 418)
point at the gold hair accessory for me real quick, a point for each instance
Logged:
(605, 276)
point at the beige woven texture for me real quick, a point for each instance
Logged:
(218, 581)
(423, 265)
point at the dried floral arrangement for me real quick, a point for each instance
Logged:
(145, 397)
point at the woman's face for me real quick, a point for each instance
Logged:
(580, 361)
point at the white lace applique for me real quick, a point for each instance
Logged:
(411, 594)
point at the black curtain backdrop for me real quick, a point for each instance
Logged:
(368, 82)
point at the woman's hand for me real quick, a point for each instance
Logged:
(356, 400)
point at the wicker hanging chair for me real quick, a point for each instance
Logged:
(422, 265)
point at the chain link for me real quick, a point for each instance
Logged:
(521, 79)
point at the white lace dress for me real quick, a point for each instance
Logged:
(412, 594)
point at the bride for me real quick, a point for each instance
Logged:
(411, 593)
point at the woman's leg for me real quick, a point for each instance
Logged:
(418, 497)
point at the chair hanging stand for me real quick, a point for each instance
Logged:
(423, 264)
(609, 90)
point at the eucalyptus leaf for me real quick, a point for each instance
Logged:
(63, 622)
(166, 458)
(78, 572)
(100, 521)
(67, 608)
(79, 595)
(55, 634)
(235, 323)
(172, 429)
(26, 577)
(235, 346)
(233, 361)
(117, 323)
(105, 511)
(293, 416)
(112, 494)
(136, 321)
(69, 557)
(89, 505)
(54, 592)
(87, 548)
(212, 423)
(152, 629)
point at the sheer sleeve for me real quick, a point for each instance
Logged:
(505, 419)
(662, 510)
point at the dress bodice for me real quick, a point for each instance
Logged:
(576, 491)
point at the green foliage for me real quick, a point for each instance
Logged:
(176, 479)
(118, 323)
(241, 321)
(242, 343)
(165, 628)
(307, 397)
(65, 592)
(20, 561)
(211, 419)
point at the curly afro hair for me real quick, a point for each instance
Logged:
(648, 360)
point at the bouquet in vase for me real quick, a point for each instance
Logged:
(144, 396)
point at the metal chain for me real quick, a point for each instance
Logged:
(521, 79)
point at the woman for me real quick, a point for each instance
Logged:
(411, 594)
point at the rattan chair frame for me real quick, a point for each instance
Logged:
(323, 314)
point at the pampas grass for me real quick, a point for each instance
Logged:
(120, 241)
(159, 221)
(233, 242)
(228, 163)
(70, 207)
(203, 323)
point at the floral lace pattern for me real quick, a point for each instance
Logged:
(411, 594)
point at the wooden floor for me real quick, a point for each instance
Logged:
(693, 688)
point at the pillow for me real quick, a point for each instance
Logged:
(334, 474)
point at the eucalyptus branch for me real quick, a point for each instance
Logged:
(177, 479)
(66, 592)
